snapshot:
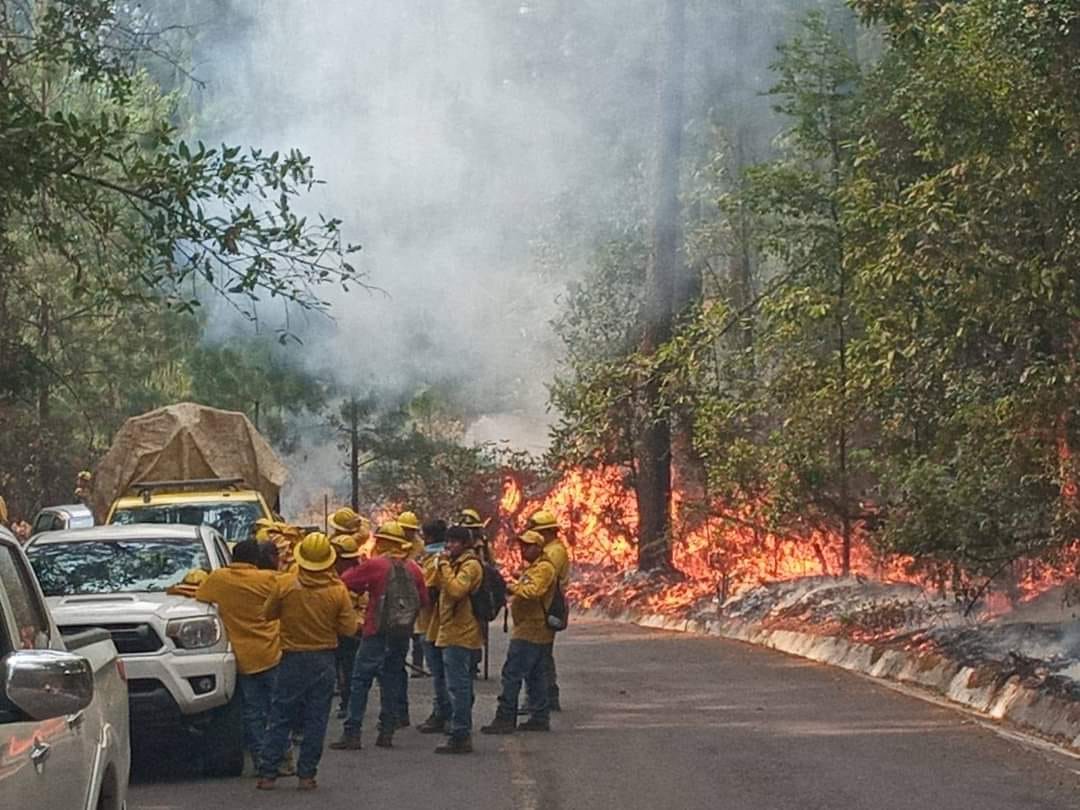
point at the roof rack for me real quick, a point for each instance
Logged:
(145, 488)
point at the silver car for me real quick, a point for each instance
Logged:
(58, 518)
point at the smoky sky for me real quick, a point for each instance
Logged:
(478, 150)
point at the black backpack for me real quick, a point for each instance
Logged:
(400, 602)
(489, 599)
(558, 613)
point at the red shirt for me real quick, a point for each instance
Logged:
(370, 577)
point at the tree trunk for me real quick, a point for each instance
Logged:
(354, 454)
(654, 450)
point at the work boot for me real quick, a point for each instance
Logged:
(348, 742)
(266, 783)
(532, 724)
(307, 783)
(404, 722)
(385, 740)
(500, 725)
(433, 725)
(456, 745)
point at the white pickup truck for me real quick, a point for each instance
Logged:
(181, 670)
(63, 704)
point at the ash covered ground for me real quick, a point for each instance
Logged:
(1038, 640)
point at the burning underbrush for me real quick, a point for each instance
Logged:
(728, 568)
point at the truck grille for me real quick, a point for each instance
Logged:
(128, 638)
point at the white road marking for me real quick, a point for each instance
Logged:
(526, 794)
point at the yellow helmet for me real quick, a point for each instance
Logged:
(543, 520)
(532, 538)
(470, 519)
(262, 534)
(408, 520)
(391, 530)
(314, 552)
(362, 533)
(346, 546)
(344, 520)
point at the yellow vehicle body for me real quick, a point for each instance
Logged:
(232, 512)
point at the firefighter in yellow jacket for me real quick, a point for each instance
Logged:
(458, 576)
(555, 551)
(313, 609)
(530, 643)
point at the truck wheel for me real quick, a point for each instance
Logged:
(223, 752)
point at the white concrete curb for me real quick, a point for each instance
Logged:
(1034, 709)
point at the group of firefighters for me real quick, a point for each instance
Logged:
(308, 613)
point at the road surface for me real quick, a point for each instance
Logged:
(666, 721)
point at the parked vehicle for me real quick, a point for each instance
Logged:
(226, 505)
(63, 703)
(58, 518)
(181, 670)
(190, 464)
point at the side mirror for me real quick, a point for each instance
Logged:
(47, 683)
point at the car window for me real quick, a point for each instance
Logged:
(115, 566)
(235, 520)
(31, 623)
(43, 523)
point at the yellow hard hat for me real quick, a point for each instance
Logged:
(196, 576)
(346, 546)
(344, 520)
(392, 531)
(265, 523)
(470, 519)
(408, 520)
(262, 534)
(543, 520)
(532, 538)
(314, 552)
(362, 533)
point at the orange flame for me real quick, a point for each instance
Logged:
(725, 553)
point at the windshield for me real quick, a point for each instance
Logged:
(234, 520)
(114, 566)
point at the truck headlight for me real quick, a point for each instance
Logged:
(194, 634)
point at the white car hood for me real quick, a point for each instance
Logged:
(124, 607)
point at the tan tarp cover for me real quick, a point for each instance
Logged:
(183, 442)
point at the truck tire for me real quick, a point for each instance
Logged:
(223, 751)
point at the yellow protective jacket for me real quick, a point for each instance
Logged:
(456, 581)
(557, 554)
(427, 618)
(314, 608)
(240, 593)
(532, 595)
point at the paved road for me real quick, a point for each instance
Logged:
(664, 721)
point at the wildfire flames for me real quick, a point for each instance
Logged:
(723, 554)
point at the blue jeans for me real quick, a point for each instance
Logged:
(440, 703)
(526, 663)
(256, 696)
(303, 679)
(457, 664)
(346, 656)
(382, 658)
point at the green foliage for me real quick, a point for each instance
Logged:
(113, 226)
(412, 457)
(911, 367)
